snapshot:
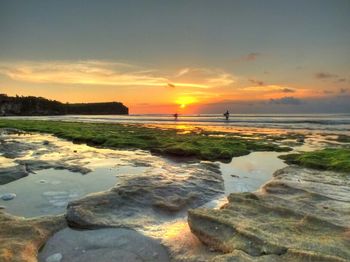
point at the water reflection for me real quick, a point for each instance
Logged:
(248, 173)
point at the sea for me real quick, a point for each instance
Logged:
(320, 122)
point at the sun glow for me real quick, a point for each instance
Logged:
(183, 101)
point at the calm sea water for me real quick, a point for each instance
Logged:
(322, 122)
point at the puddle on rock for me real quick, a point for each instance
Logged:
(48, 191)
(248, 173)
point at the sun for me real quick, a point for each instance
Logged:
(183, 101)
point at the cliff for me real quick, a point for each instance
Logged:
(109, 108)
(36, 106)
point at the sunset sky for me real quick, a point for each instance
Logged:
(186, 56)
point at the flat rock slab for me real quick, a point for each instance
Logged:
(36, 165)
(12, 173)
(301, 215)
(146, 199)
(103, 245)
(20, 239)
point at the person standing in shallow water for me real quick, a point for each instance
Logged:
(176, 116)
(227, 115)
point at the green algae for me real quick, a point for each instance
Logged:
(335, 159)
(160, 141)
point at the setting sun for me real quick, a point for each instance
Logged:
(183, 101)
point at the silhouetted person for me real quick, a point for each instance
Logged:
(227, 115)
(176, 116)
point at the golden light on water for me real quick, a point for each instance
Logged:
(179, 237)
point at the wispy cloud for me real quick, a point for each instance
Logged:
(257, 82)
(343, 90)
(81, 72)
(250, 57)
(94, 72)
(341, 80)
(171, 85)
(288, 100)
(261, 87)
(287, 90)
(330, 76)
(182, 72)
(324, 75)
(222, 79)
(204, 77)
(327, 92)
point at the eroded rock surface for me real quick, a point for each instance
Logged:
(25, 167)
(21, 238)
(301, 215)
(149, 197)
(36, 165)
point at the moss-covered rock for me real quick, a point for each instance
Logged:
(336, 159)
(162, 141)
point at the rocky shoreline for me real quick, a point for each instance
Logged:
(160, 193)
(301, 215)
(22, 238)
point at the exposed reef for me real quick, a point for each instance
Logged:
(165, 142)
(13, 146)
(146, 199)
(102, 245)
(301, 215)
(25, 167)
(336, 159)
(151, 192)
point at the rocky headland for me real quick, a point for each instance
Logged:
(39, 106)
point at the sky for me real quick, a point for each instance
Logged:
(185, 56)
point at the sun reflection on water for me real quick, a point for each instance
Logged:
(178, 236)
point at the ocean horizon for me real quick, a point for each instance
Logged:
(320, 122)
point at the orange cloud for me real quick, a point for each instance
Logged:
(94, 72)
